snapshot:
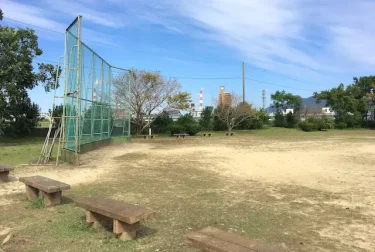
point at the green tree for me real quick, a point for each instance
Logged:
(57, 114)
(206, 120)
(282, 100)
(350, 103)
(161, 123)
(18, 48)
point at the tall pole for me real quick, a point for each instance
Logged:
(264, 98)
(243, 82)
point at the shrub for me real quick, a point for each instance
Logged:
(191, 128)
(308, 126)
(341, 125)
(279, 120)
(290, 120)
(176, 129)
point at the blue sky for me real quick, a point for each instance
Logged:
(304, 45)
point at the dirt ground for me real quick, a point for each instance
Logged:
(310, 194)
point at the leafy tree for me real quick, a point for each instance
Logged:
(1, 14)
(206, 120)
(150, 95)
(57, 114)
(290, 120)
(282, 100)
(350, 104)
(185, 124)
(279, 120)
(18, 48)
(161, 123)
(234, 114)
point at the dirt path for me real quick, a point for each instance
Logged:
(96, 165)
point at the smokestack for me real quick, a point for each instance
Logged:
(201, 99)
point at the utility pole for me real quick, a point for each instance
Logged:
(264, 98)
(243, 82)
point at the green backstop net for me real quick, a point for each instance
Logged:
(92, 110)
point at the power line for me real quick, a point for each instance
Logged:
(278, 85)
(281, 75)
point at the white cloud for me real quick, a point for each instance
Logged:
(296, 37)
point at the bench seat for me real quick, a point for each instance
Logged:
(213, 239)
(126, 217)
(50, 189)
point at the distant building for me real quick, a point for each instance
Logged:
(224, 98)
(173, 113)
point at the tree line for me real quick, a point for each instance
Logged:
(353, 107)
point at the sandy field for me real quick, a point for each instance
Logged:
(344, 170)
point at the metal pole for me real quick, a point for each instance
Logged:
(101, 102)
(243, 82)
(264, 98)
(78, 90)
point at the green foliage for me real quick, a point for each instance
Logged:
(282, 101)
(350, 103)
(317, 124)
(218, 124)
(341, 125)
(192, 128)
(185, 124)
(290, 120)
(256, 121)
(180, 101)
(57, 112)
(1, 14)
(279, 120)
(308, 126)
(37, 203)
(206, 120)
(161, 123)
(18, 48)
(176, 129)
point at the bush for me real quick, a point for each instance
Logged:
(290, 120)
(191, 128)
(279, 120)
(308, 126)
(176, 129)
(341, 125)
(317, 123)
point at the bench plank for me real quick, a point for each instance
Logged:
(218, 240)
(44, 184)
(115, 209)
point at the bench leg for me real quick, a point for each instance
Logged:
(31, 193)
(126, 231)
(92, 217)
(4, 176)
(51, 199)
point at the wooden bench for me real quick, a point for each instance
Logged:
(147, 136)
(229, 133)
(50, 189)
(181, 135)
(126, 217)
(4, 173)
(207, 134)
(213, 239)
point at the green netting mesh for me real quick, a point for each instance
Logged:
(91, 110)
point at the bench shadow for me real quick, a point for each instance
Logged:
(145, 231)
(106, 224)
(66, 200)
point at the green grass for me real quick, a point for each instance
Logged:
(43, 124)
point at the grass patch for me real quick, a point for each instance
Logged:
(36, 204)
